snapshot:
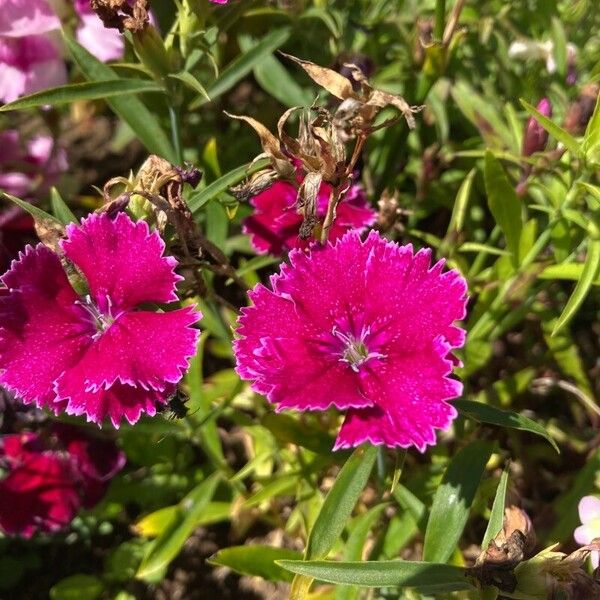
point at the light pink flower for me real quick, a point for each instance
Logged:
(19, 18)
(104, 354)
(275, 223)
(367, 327)
(29, 64)
(589, 515)
(28, 168)
(104, 43)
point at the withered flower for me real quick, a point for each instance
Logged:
(122, 14)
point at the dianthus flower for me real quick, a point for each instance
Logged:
(49, 478)
(589, 515)
(104, 354)
(275, 224)
(367, 327)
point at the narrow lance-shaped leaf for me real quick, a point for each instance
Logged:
(340, 501)
(90, 90)
(168, 545)
(60, 209)
(453, 499)
(243, 65)
(504, 204)
(497, 515)
(486, 413)
(132, 110)
(389, 573)
(590, 271)
(258, 561)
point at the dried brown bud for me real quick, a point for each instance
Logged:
(258, 183)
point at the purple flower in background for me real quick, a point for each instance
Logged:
(19, 18)
(367, 327)
(536, 137)
(589, 514)
(105, 354)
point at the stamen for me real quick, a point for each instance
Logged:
(355, 352)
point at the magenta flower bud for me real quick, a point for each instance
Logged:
(536, 137)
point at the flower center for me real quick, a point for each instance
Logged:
(355, 351)
(101, 320)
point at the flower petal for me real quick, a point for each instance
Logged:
(19, 18)
(142, 349)
(589, 509)
(121, 401)
(122, 261)
(411, 392)
(42, 330)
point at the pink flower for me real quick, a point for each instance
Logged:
(103, 354)
(19, 18)
(105, 44)
(536, 137)
(366, 327)
(589, 514)
(28, 168)
(275, 223)
(50, 478)
(29, 64)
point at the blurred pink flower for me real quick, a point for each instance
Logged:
(104, 43)
(29, 64)
(275, 223)
(589, 515)
(367, 327)
(29, 167)
(49, 478)
(101, 355)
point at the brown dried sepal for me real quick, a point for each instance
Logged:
(258, 183)
(359, 109)
(121, 15)
(507, 550)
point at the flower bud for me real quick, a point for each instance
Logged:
(536, 137)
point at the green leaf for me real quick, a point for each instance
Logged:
(273, 77)
(132, 110)
(34, 211)
(198, 199)
(340, 501)
(386, 573)
(566, 139)
(77, 587)
(258, 561)
(189, 80)
(168, 545)
(591, 268)
(560, 46)
(90, 90)
(497, 515)
(461, 202)
(409, 502)
(60, 209)
(504, 204)
(485, 413)
(591, 139)
(244, 64)
(360, 528)
(566, 271)
(453, 499)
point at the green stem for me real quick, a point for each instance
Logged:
(176, 133)
(440, 18)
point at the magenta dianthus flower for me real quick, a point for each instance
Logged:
(589, 530)
(275, 224)
(365, 326)
(105, 354)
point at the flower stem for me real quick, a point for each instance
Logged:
(440, 17)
